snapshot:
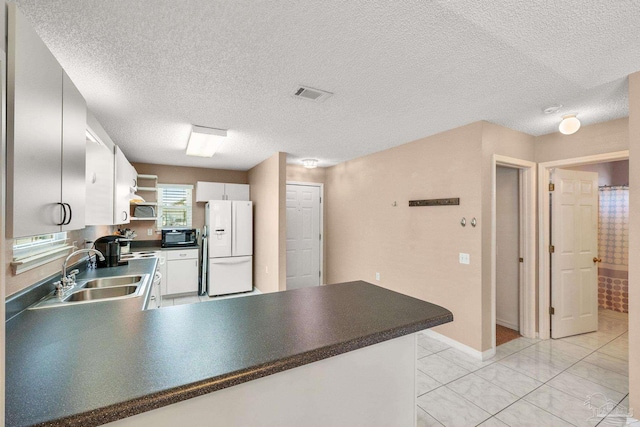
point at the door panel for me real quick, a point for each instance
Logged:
(74, 147)
(242, 225)
(219, 212)
(303, 236)
(34, 129)
(574, 231)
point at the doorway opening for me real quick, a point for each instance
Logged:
(523, 274)
(508, 252)
(600, 162)
(304, 215)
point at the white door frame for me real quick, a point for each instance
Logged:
(527, 203)
(321, 186)
(544, 269)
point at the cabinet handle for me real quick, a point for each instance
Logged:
(70, 213)
(126, 215)
(183, 254)
(64, 214)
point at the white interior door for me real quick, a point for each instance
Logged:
(574, 268)
(303, 236)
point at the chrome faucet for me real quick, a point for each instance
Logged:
(68, 281)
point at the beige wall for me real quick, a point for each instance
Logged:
(297, 173)
(268, 185)
(415, 249)
(634, 242)
(507, 247)
(182, 175)
(301, 174)
(600, 138)
(620, 172)
(24, 280)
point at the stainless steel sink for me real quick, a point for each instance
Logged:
(101, 293)
(113, 281)
(100, 289)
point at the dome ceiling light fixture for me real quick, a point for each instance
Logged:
(569, 124)
(310, 163)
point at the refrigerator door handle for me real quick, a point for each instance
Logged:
(234, 231)
(240, 260)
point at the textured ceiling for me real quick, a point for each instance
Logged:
(399, 71)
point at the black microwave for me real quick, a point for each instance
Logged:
(178, 237)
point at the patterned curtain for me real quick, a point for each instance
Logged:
(613, 248)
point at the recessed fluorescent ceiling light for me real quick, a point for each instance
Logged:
(203, 141)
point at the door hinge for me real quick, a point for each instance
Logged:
(319, 273)
(552, 311)
(320, 199)
(320, 236)
(552, 186)
(552, 249)
(521, 259)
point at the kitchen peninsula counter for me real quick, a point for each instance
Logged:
(100, 362)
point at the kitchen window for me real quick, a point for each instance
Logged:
(175, 205)
(31, 252)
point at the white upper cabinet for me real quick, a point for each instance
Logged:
(74, 125)
(125, 185)
(237, 191)
(99, 184)
(41, 197)
(206, 191)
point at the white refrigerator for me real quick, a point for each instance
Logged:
(230, 246)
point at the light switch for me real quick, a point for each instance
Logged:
(464, 258)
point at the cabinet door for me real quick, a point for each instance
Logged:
(237, 191)
(206, 191)
(34, 128)
(122, 192)
(182, 276)
(99, 185)
(74, 127)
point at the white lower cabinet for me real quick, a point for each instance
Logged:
(182, 271)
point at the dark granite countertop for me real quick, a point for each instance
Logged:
(92, 364)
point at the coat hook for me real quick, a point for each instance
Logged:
(463, 222)
(474, 222)
(394, 204)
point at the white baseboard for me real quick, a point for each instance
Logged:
(509, 325)
(480, 355)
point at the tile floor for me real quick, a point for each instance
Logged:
(575, 381)
(191, 299)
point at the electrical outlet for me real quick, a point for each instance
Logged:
(75, 243)
(378, 276)
(149, 231)
(465, 258)
(266, 269)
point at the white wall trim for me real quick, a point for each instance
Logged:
(528, 244)
(321, 185)
(477, 354)
(544, 266)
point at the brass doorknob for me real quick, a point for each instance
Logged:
(597, 259)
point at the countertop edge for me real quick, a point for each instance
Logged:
(177, 394)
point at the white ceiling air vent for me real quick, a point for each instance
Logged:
(310, 94)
